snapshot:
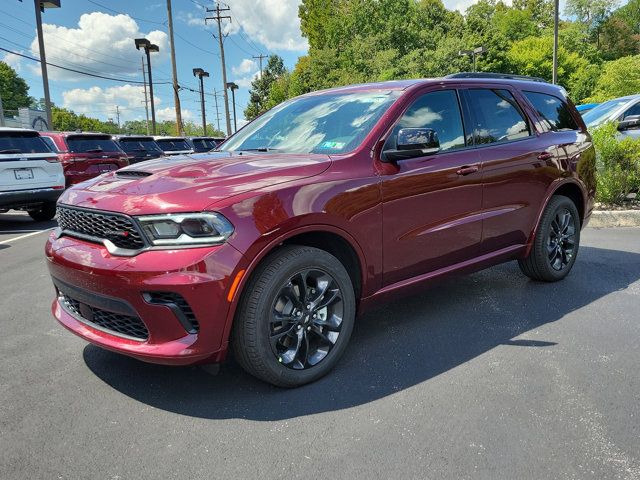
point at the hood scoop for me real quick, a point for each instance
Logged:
(132, 173)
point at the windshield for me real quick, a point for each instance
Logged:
(173, 145)
(324, 123)
(600, 113)
(133, 145)
(91, 144)
(21, 143)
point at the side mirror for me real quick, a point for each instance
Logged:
(630, 123)
(412, 143)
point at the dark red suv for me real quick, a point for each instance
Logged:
(322, 207)
(85, 155)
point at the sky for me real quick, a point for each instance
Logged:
(96, 36)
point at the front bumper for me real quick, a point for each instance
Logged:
(99, 282)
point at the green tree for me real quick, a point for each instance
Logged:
(13, 89)
(619, 78)
(592, 13)
(259, 93)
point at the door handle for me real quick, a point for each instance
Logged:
(544, 156)
(467, 169)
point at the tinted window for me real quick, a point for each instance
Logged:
(635, 110)
(133, 145)
(11, 142)
(498, 117)
(553, 111)
(203, 144)
(91, 144)
(600, 113)
(439, 111)
(171, 145)
(50, 143)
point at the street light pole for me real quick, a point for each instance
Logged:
(148, 48)
(40, 5)
(200, 73)
(233, 87)
(473, 54)
(556, 21)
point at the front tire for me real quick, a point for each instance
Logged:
(556, 243)
(44, 213)
(295, 317)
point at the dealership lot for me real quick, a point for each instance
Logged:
(485, 376)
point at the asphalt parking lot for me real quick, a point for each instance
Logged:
(485, 376)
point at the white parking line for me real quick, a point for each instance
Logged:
(24, 236)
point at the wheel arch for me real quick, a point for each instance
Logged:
(569, 188)
(325, 237)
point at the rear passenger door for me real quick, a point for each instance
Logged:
(515, 163)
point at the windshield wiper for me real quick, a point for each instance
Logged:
(11, 150)
(259, 149)
(93, 150)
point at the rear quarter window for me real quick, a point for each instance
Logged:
(553, 111)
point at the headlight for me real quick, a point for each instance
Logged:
(186, 229)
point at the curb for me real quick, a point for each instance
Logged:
(614, 218)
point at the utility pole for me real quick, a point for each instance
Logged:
(200, 73)
(1, 113)
(556, 21)
(215, 99)
(118, 116)
(218, 18)
(259, 58)
(146, 101)
(40, 6)
(233, 87)
(176, 87)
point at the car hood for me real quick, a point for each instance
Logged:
(190, 183)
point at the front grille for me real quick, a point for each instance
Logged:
(175, 299)
(117, 228)
(127, 325)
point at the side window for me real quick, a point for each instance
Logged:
(553, 111)
(439, 111)
(50, 143)
(497, 115)
(635, 110)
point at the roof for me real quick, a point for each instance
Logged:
(463, 77)
(67, 134)
(14, 129)
(133, 137)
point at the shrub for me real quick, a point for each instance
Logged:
(618, 164)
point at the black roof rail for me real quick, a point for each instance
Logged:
(506, 76)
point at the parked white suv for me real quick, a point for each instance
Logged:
(31, 177)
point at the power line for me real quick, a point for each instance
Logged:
(74, 70)
(122, 13)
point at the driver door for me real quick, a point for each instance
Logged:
(432, 204)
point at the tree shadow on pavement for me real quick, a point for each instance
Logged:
(393, 348)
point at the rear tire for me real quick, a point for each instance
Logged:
(556, 243)
(295, 317)
(45, 213)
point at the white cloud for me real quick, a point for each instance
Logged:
(99, 102)
(246, 66)
(13, 60)
(462, 5)
(245, 82)
(102, 44)
(169, 113)
(272, 23)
